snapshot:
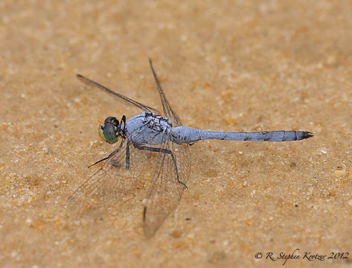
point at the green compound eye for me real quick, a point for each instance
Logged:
(101, 131)
(107, 132)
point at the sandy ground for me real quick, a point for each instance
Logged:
(225, 65)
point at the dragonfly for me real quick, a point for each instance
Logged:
(150, 139)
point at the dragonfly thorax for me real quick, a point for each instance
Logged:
(111, 129)
(157, 122)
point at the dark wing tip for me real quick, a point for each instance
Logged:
(144, 213)
(82, 78)
(151, 65)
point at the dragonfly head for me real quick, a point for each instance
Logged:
(109, 130)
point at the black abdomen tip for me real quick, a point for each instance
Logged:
(307, 135)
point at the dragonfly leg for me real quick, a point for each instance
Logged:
(110, 155)
(127, 156)
(123, 120)
(165, 151)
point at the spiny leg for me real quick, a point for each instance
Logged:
(127, 156)
(110, 155)
(123, 120)
(162, 150)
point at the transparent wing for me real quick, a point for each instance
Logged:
(112, 182)
(166, 188)
(168, 111)
(116, 95)
(171, 174)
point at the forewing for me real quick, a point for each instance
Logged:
(168, 111)
(165, 190)
(116, 95)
